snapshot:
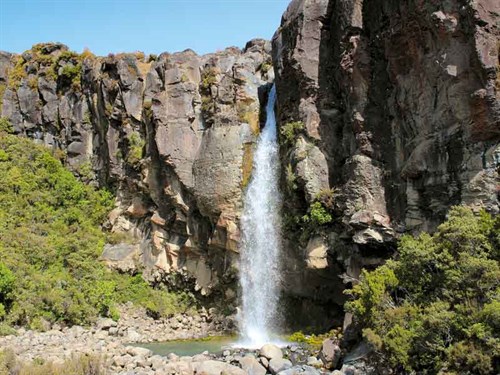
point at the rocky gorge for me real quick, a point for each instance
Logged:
(388, 114)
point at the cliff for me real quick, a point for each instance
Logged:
(171, 136)
(388, 113)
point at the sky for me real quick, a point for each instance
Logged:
(151, 26)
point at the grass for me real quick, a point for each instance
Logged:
(76, 365)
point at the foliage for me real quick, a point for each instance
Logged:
(318, 215)
(17, 73)
(314, 341)
(136, 144)
(33, 82)
(51, 241)
(291, 178)
(72, 73)
(290, 130)
(266, 66)
(5, 126)
(6, 330)
(83, 364)
(86, 54)
(208, 78)
(437, 307)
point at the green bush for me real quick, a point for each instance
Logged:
(208, 78)
(290, 130)
(436, 308)
(319, 215)
(51, 240)
(5, 126)
(136, 144)
(72, 73)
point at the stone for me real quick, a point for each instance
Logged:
(330, 353)
(316, 253)
(314, 362)
(133, 336)
(136, 351)
(252, 366)
(278, 364)
(301, 369)
(271, 351)
(121, 257)
(212, 367)
(105, 323)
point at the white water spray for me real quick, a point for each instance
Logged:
(260, 223)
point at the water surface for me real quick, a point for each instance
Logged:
(213, 345)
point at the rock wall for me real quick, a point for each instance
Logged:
(398, 110)
(388, 113)
(171, 135)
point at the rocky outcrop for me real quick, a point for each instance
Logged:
(391, 110)
(171, 136)
(388, 113)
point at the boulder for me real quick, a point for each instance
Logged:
(279, 364)
(271, 351)
(300, 370)
(212, 367)
(252, 366)
(330, 353)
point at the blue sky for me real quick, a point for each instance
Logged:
(151, 26)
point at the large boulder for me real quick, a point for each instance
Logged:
(271, 351)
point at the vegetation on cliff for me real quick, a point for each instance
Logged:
(437, 307)
(50, 243)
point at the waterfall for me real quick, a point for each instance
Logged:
(260, 245)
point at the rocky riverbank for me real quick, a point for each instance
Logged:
(115, 345)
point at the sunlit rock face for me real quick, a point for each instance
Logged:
(171, 135)
(399, 102)
(397, 106)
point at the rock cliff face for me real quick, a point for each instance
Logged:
(388, 112)
(397, 117)
(171, 136)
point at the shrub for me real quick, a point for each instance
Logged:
(51, 241)
(33, 83)
(290, 130)
(291, 178)
(6, 330)
(136, 144)
(5, 125)
(319, 215)
(82, 364)
(86, 55)
(17, 73)
(208, 78)
(436, 308)
(72, 73)
(265, 67)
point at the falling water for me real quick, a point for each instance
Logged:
(259, 268)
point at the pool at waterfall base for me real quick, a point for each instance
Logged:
(212, 344)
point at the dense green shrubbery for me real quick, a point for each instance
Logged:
(436, 309)
(50, 241)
